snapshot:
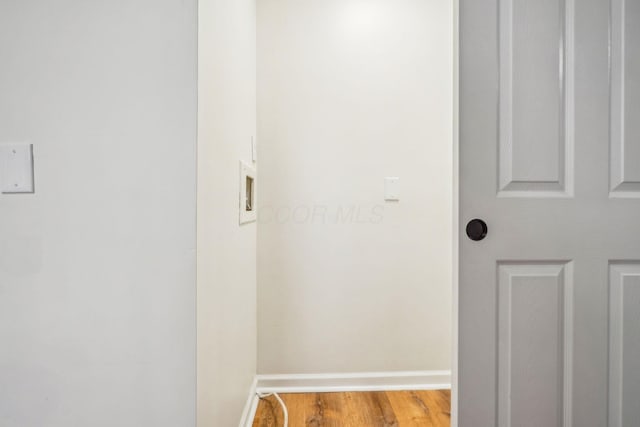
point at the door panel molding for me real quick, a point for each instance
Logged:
(625, 101)
(535, 330)
(624, 343)
(536, 111)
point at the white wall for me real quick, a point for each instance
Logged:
(226, 250)
(351, 91)
(97, 268)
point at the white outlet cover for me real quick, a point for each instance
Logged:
(16, 168)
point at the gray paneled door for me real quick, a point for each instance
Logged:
(550, 159)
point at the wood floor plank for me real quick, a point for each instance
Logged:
(378, 413)
(326, 412)
(441, 400)
(411, 412)
(268, 414)
(309, 409)
(358, 409)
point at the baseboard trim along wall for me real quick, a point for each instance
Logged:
(333, 383)
(250, 408)
(367, 381)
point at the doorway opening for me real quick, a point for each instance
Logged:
(356, 240)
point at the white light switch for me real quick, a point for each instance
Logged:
(16, 168)
(391, 188)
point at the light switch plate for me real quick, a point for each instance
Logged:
(16, 168)
(392, 188)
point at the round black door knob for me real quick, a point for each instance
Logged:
(477, 229)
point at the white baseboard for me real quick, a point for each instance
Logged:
(327, 383)
(250, 408)
(368, 381)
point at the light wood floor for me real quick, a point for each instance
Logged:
(362, 409)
